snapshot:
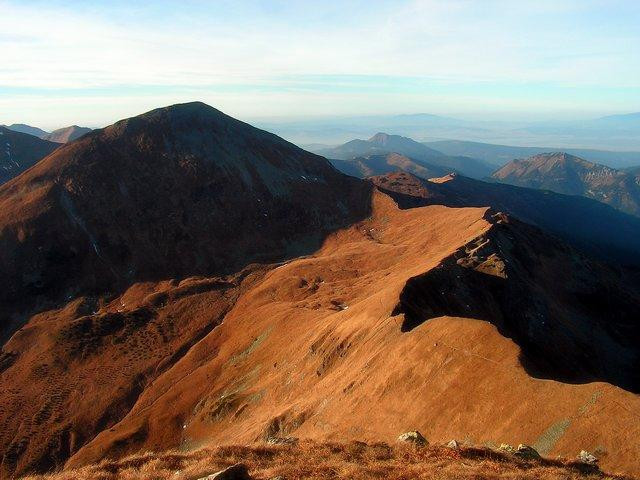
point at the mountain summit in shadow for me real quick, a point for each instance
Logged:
(178, 191)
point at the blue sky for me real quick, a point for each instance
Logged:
(92, 63)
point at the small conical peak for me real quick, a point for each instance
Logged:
(380, 138)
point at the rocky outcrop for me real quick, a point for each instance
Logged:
(238, 471)
(526, 452)
(587, 458)
(414, 438)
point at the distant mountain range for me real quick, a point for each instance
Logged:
(616, 132)
(370, 165)
(382, 143)
(28, 129)
(20, 151)
(499, 155)
(61, 135)
(570, 175)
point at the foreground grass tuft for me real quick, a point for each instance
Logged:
(355, 460)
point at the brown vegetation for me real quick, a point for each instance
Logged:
(354, 460)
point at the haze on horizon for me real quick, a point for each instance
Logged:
(91, 63)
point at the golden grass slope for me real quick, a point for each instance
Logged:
(309, 348)
(352, 460)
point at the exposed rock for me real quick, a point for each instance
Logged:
(453, 444)
(282, 440)
(587, 458)
(234, 472)
(505, 447)
(526, 452)
(414, 437)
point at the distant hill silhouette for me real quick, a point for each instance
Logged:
(67, 134)
(382, 143)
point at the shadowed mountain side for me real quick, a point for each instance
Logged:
(575, 319)
(590, 225)
(19, 152)
(179, 191)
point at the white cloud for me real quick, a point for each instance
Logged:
(193, 44)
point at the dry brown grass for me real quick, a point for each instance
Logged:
(311, 460)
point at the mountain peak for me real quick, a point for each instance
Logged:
(560, 159)
(571, 175)
(380, 138)
(28, 129)
(164, 194)
(67, 134)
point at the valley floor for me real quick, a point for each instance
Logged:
(354, 460)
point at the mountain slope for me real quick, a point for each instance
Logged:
(382, 143)
(316, 347)
(20, 151)
(635, 171)
(500, 155)
(385, 163)
(564, 173)
(28, 129)
(149, 197)
(587, 224)
(67, 134)
(143, 310)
